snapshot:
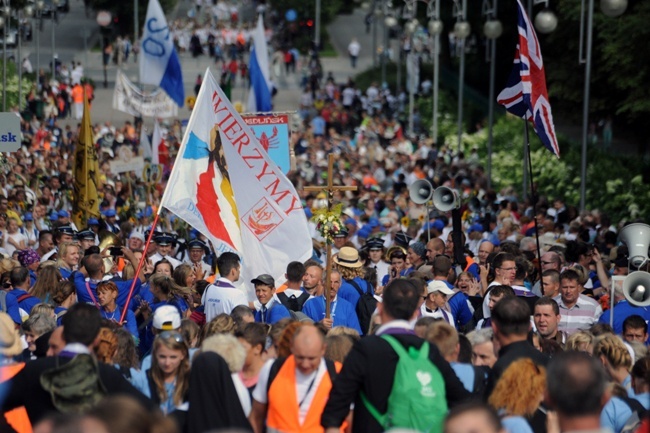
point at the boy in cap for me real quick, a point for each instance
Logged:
(271, 310)
(436, 301)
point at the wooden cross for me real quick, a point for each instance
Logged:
(329, 190)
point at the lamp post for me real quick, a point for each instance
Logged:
(27, 12)
(317, 28)
(435, 28)
(39, 16)
(6, 22)
(390, 21)
(611, 8)
(492, 30)
(461, 31)
(55, 5)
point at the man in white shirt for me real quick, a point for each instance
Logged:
(223, 296)
(164, 247)
(433, 306)
(197, 250)
(353, 49)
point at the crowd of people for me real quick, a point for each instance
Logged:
(493, 317)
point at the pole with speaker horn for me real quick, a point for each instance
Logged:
(421, 192)
(636, 286)
(446, 199)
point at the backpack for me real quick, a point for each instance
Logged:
(292, 303)
(278, 363)
(638, 413)
(76, 386)
(366, 305)
(3, 301)
(417, 400)
(480, 380)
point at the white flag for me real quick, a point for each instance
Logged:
(225, 185)
(156, 142)
(145, 145)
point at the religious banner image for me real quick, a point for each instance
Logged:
(273, 133)
(128, 98)
(126, 161)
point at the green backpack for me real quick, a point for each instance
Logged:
(418, 399)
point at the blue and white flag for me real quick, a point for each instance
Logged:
(259, 97)
(159, 63)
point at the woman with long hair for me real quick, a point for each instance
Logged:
(166, 383)
(48, 279)
(106, 347)
(616, 359)
(64, 296)
(166, 292)
(518, 394)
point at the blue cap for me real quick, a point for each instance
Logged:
(28, 216)
(64, 214)
(110, 213)
(350, 221)
(373, 222)
(93, 222)
(54, 216)
(475, 228)
(364, 232)
(438, 225)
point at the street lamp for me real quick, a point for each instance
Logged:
(611, 8)
(40, 4)
(492, 30)
(462, 30)
(55, 7)
(6, 22)
(26, 12)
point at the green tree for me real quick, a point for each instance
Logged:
(12, 85)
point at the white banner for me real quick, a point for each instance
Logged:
(227, 187)
(129, 98)
(125, 161)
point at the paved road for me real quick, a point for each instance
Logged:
(70, 46)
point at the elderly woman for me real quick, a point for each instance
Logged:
(37, 331)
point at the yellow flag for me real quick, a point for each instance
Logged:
(86, 170)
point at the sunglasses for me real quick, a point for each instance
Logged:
(172, 335)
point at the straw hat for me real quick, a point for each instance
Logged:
(9, 339)
(348, 257)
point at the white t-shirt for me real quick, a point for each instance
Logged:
(302, 386)
(17, 237)
(242, 393)
(219, 300)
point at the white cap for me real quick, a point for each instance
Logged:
(136, 235)
(439, 286)
(166, 318)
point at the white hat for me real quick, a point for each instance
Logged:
(136, 235)
(166, 318)
(439, 286)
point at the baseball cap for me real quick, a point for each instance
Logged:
(166, 318)
(439, 286)
(28, 216)
(110, 213)
(64, 214)
(136, 235)
(264, 279)
(93, 222)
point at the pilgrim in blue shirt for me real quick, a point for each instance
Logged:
(350, 294)
(342, 312)
(271, 312)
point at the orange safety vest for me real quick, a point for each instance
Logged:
(16, 418)
(282, 414)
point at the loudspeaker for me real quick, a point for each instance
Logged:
(420, 191)
(636, 288)
(637, 238)
(445, 199)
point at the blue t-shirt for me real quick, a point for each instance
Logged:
(130, 323)
(272, 315)
(341, 312)
(465, 373)
(84, 287)
(616, 412)
(459, 308)
(28, 301)
(350, 294)
(622, 311)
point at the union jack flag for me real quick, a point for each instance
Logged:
(525, 94)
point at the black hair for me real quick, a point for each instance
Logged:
(226, 262)
(81, 324)
(400, 299)
(295, 272)
(512, 316)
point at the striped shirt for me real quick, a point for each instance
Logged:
(579, 317)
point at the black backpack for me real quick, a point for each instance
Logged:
(638, 414)
(365, 306)
(293, 303)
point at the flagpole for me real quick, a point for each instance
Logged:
(140, 265)
(533, 196)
